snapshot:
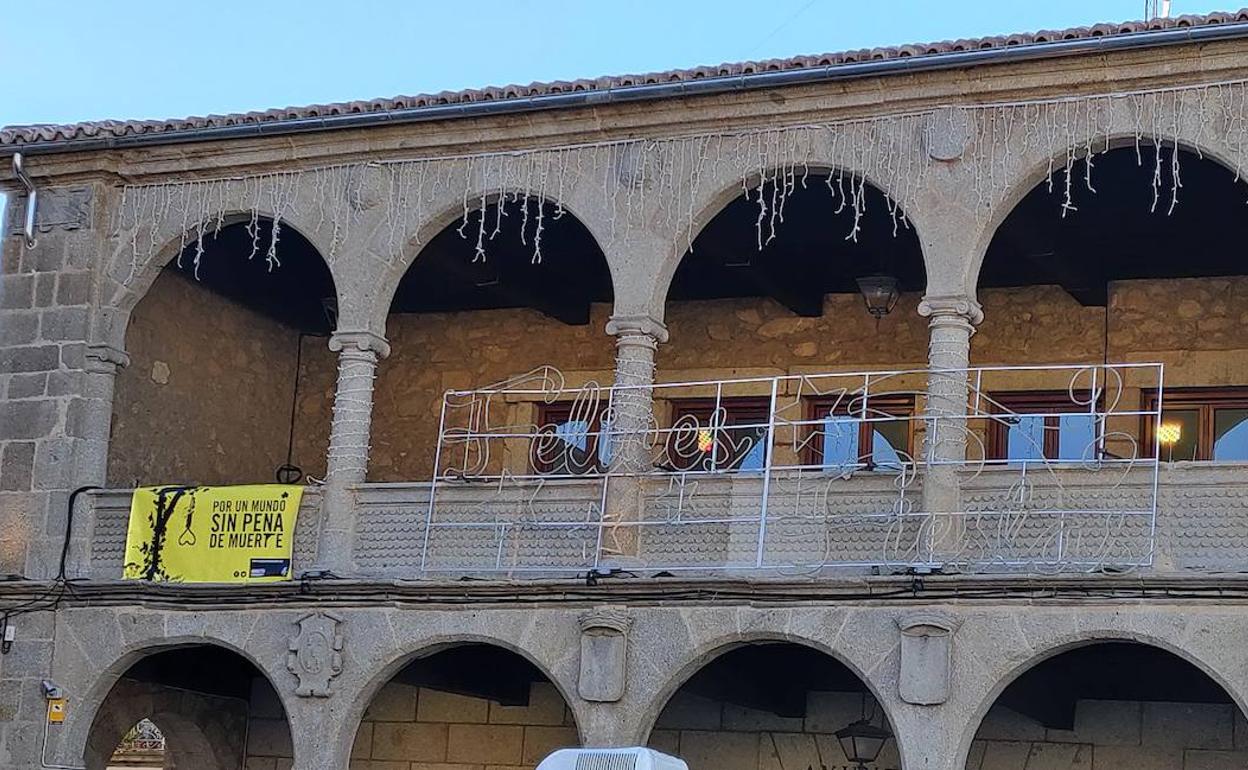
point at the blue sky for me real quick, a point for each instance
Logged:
(90, 60)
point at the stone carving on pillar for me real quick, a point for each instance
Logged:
(360, 341)
(948, 133)
(604, 652)
(105, 359)
(926, 657)
(315, 655)
(60, 208)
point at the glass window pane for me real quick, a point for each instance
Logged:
(840, 442)
(1025, 438)
(1076, 437)
(1230, 434)
(750, 448)
(605, 450)
(888, 439)
(574, 432)
(1179, 434)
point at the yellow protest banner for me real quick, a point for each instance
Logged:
(240, 534)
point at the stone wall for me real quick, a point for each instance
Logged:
(713, 735)
(1110, 735)
(434, 352)
(214, 386)
(207, 395)
(415, 728)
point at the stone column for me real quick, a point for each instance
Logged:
(88, 424)
(631, 418)
(92, 421)
(952, 322)
(349, 440)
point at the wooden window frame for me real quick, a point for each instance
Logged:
(1024, 402)
(558, 412)
(757, 411)
(1205, 401)
(891, 404)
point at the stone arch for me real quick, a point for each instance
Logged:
(79, 738)
(451, 209)
(384, 671)
(183, 330)
(717, 190)
(1028, 170)
(118, 298)
(1067, 642)
(705, 653)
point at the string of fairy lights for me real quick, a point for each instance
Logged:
(664, 184)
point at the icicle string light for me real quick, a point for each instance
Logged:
(664, 183)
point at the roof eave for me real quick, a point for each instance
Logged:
(652, 91)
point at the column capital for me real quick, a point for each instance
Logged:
(103, 358)
(362, 341)
(951, 306)
(637, 325)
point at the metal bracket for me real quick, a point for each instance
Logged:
(32, 200)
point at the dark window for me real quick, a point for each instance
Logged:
(1199, 424)
(732, 437)
(856, 433)
(1042, 425)
(569, 440)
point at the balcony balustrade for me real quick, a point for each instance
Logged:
(789, 476)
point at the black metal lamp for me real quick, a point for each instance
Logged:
(880, 292)
(861, 742)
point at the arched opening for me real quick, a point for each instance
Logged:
(773, 288)
(465, 705)
(1112, 705)
(1139, 259)
(488, 299)
(196, 707)
(229, 376)
(773, 705)
(794, 301)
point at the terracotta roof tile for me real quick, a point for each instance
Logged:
(16, 136)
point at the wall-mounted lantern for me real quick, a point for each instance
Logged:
(861, 742)
(880, 293)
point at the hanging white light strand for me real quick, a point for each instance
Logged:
(663, 182)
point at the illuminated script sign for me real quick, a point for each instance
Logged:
(186, 534)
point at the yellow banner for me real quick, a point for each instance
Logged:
(239, 534)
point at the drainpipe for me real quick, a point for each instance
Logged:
(32, 200)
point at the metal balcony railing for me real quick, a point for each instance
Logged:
(798, 473)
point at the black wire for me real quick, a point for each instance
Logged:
(294, 399)
(69, 526)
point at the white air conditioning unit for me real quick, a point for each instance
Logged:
(635, 758)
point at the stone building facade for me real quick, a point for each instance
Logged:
(627, 524)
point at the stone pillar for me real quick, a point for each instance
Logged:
(349, 440)
(92, 421)
(631, 419)
(88, 423)
(952, 323)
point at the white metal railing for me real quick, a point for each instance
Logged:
(799, 471)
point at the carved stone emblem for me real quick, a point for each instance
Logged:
(315, 655)
(604, 652)
(948, 133)
(60, 208)
(926, 657)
